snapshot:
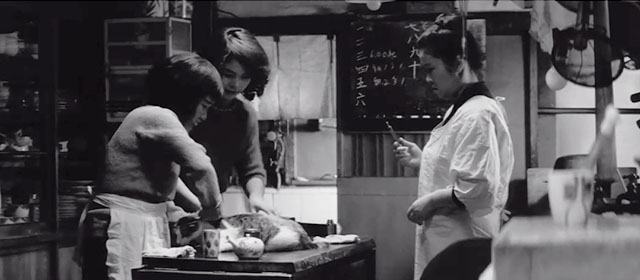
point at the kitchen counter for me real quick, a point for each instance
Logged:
(306, 187)
(348, 261)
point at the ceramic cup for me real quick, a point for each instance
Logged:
(211, 243)
(12, 44)
(571, 196)
(3, 43)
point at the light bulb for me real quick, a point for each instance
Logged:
(554, 80)
(374, 5)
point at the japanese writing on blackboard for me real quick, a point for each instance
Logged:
(384, 65)
(386, 79)
(361, 66)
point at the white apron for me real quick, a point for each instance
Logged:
(451, 226)
(136, 226)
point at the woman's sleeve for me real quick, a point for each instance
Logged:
(164, 134)
(474, 167)
(250, 165)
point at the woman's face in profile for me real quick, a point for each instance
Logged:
(200, 114)
(235, 78)
(444, 83)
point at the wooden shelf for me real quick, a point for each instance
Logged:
(137, 43)
(19, 117)
(21, 155)
(22, 67)
(17, 234)
(129, 69)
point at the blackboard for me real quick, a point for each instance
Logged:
(386, 80)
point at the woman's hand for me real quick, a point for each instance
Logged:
(407, 153)
(421, 210)
(258, 203)
(426, 206)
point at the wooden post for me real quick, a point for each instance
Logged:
(607, 162)
(203, 21)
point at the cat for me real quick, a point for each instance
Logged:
(277, 233)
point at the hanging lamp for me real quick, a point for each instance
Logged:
(573, 53)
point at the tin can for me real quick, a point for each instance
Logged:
(211, 243)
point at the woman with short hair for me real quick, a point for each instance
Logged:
(144, 157)
(466, 165)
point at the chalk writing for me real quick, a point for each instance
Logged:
(384, 54)
(361, 84)
(413, 38)
(360, 100)
(413, 27)
(385, 67)
(362, 69)
(414, 66)
(414, 52)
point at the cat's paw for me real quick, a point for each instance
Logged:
(320, 242)
(225, 246)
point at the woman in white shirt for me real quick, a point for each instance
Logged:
(466, 165)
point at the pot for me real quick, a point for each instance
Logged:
(250, 248)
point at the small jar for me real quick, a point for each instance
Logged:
(34, 208)
(331, 227)
(36, 100)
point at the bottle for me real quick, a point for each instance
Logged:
(36, 100)
(4, 94)
(331, 227)
(34, 208)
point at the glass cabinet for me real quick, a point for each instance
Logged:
(27, 151)
(132, 45)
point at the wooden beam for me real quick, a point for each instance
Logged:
(556, 111)
(607, 162)
(531, 100)
(203, 21)
(498, 23)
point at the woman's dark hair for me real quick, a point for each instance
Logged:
(181, 82)
(444, 41)
(239, 44)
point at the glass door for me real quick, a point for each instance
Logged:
(23, 128)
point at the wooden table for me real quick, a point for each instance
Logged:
(349, 261)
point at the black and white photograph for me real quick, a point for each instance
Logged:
(319, 140)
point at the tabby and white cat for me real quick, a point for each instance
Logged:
(277, 233)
